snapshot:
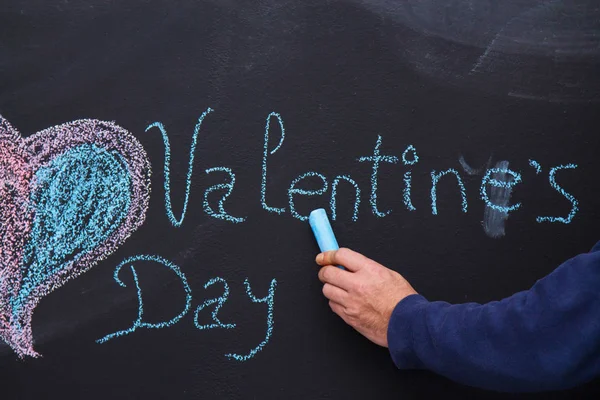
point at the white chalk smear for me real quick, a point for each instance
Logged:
(493, 219)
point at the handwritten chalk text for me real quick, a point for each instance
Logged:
(275, 132)
(139, 322)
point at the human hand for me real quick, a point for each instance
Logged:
(365, 294)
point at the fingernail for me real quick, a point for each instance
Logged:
(319, 258)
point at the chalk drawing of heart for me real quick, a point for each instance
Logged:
(69, 196)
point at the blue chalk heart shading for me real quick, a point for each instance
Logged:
(79, 199)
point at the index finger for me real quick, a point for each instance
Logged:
(347, 258)
(336, 277)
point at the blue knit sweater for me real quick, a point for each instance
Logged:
(544, 338)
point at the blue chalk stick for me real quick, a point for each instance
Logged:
(322, 230)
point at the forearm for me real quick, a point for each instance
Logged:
(545, 338)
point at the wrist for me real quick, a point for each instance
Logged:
(405, 315)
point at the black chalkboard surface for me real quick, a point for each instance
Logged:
(159, 159)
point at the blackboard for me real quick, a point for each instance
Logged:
(469, 128)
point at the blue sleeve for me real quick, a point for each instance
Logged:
(544, 338)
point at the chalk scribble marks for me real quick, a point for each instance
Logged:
(69, 196)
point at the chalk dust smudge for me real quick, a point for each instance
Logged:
(494, 219)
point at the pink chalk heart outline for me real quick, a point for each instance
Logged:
(70, 195)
